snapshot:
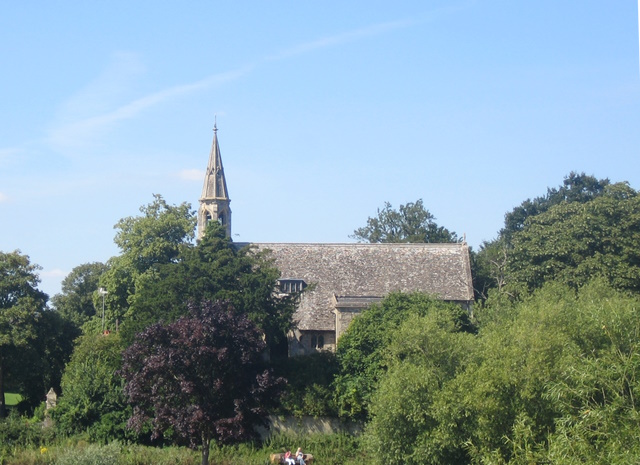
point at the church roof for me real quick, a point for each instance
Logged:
(349, 273)
(215, 183)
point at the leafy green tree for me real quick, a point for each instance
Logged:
(599, 385)
(491, 270)
(21, 303)
(410, 223)
(151, 239)
(511, 399)
(361, 349)
(38, 366)
(575, 242)
(214, 269)
(92, 401)
(201, 377)
(75, 303)
(576, 188)
(425, 353)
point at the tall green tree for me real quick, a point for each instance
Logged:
(575, 242)
(21, 303)
(214, 269)
(38, 366)
(75, 302)
(153, 238)
(575, 188)
(491, 270)
(412, 222)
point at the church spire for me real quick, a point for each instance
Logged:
(214, 201)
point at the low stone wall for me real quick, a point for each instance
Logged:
(308, 425)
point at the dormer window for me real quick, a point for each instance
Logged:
(291, 286)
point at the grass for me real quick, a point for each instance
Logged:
(12, 398)
(332, 449)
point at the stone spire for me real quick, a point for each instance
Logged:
(214, 201)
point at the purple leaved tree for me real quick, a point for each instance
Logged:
(201, 376)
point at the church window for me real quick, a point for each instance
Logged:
(290, 286)
(317, 341)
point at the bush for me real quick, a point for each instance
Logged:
(309, 390)
(18, 431)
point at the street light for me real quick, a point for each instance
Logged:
(102, 291)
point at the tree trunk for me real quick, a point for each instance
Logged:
(205, 451)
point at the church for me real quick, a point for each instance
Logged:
(344, 278)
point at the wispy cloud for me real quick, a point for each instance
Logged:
(90, 114)
(338, 39)
(3, 197)
(76, 133)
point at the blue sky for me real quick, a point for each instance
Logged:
(325, 110)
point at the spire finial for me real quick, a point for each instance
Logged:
(215, 123)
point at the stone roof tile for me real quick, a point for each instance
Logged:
(370, 270)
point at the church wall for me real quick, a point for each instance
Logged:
(311, 342)
(344, 316)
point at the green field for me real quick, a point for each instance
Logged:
(11, 398)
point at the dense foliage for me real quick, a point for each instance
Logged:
(21, 304)
(153, 238)
(574, 242)
(213, 269)
(550, 380)
(75, 302)
(201, 377)
(584, 228)
(410, 223)
(92, 402)
(546, 371)
(362, 348)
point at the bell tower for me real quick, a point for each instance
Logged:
(214, 201)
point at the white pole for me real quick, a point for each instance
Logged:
(102, 291)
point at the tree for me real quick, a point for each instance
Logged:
(92, 401)
(214, 269)
(362, 348)
(38, 366)
(153, 238)
(575, 242)
(579, 188)
(424, 354)
(491, 270)
(156, 235)
(20, 305)
(201, 377)
(410, 223)
(75, 303)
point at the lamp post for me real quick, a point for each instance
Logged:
(102, 291)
